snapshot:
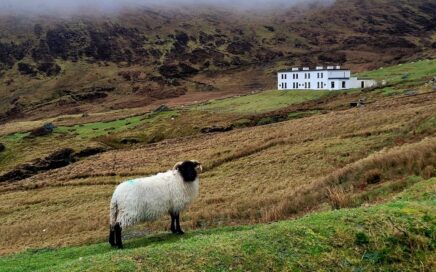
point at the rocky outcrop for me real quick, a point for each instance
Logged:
(27, 69)
(55, 160)
(49, 68)
(214, 129)
(44, 130)
(177, 71)
(162, 108)
(239, 47)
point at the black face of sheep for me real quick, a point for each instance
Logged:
(188, 170)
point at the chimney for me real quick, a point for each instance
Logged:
(330, 67)
(295, 69)
(305, 68)
(319, 67)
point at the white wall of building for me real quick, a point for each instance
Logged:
(311, 80)
(325, 79)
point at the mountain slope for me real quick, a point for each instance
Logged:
(88, 64)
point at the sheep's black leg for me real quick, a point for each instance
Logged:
(118, 239)
(178, 228)
(173, 223)
(112, 236)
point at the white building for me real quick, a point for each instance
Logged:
(320, 78)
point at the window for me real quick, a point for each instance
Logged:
(308, 76)
(296, 76)
(343, 84)
(286, 76)
(286, 85)
(333, 84)
(322, 75)
(308, 85)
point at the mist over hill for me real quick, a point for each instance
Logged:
(145, 54)
(58, 7)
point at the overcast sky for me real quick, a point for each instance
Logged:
(71, 6)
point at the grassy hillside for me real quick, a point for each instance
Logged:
(260, 103)
(396, 236)
(295, 153)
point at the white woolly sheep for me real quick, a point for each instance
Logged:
(147, 199)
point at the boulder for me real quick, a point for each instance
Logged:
(46, 129)
(177, 71)
(49, 68)
(214, 129)
(90, 151)
(27, 69)
(239, 47)
(182, 38)
(162, 108)
(128, 141)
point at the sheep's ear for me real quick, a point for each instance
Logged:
(198, 165)
(177, 165)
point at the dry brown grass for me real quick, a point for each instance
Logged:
(253, 175)
(338, 197)
(336, 188)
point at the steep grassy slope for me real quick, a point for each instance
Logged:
(277, 165)
(396, 236)
(53, 66)
(252, 175)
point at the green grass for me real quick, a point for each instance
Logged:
(15, 137)
(390, 91)
(410, 74)
(92, 130)
(96, 129)
(396, 236)
(260, 102)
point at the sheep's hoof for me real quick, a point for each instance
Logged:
(180, 232)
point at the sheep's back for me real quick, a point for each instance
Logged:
(144, 199)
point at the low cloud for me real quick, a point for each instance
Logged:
(73, 6)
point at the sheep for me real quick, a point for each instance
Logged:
(147, 199)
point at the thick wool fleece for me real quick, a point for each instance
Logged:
(147, 199)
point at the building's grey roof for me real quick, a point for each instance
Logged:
(312, 70)
(338, 78)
